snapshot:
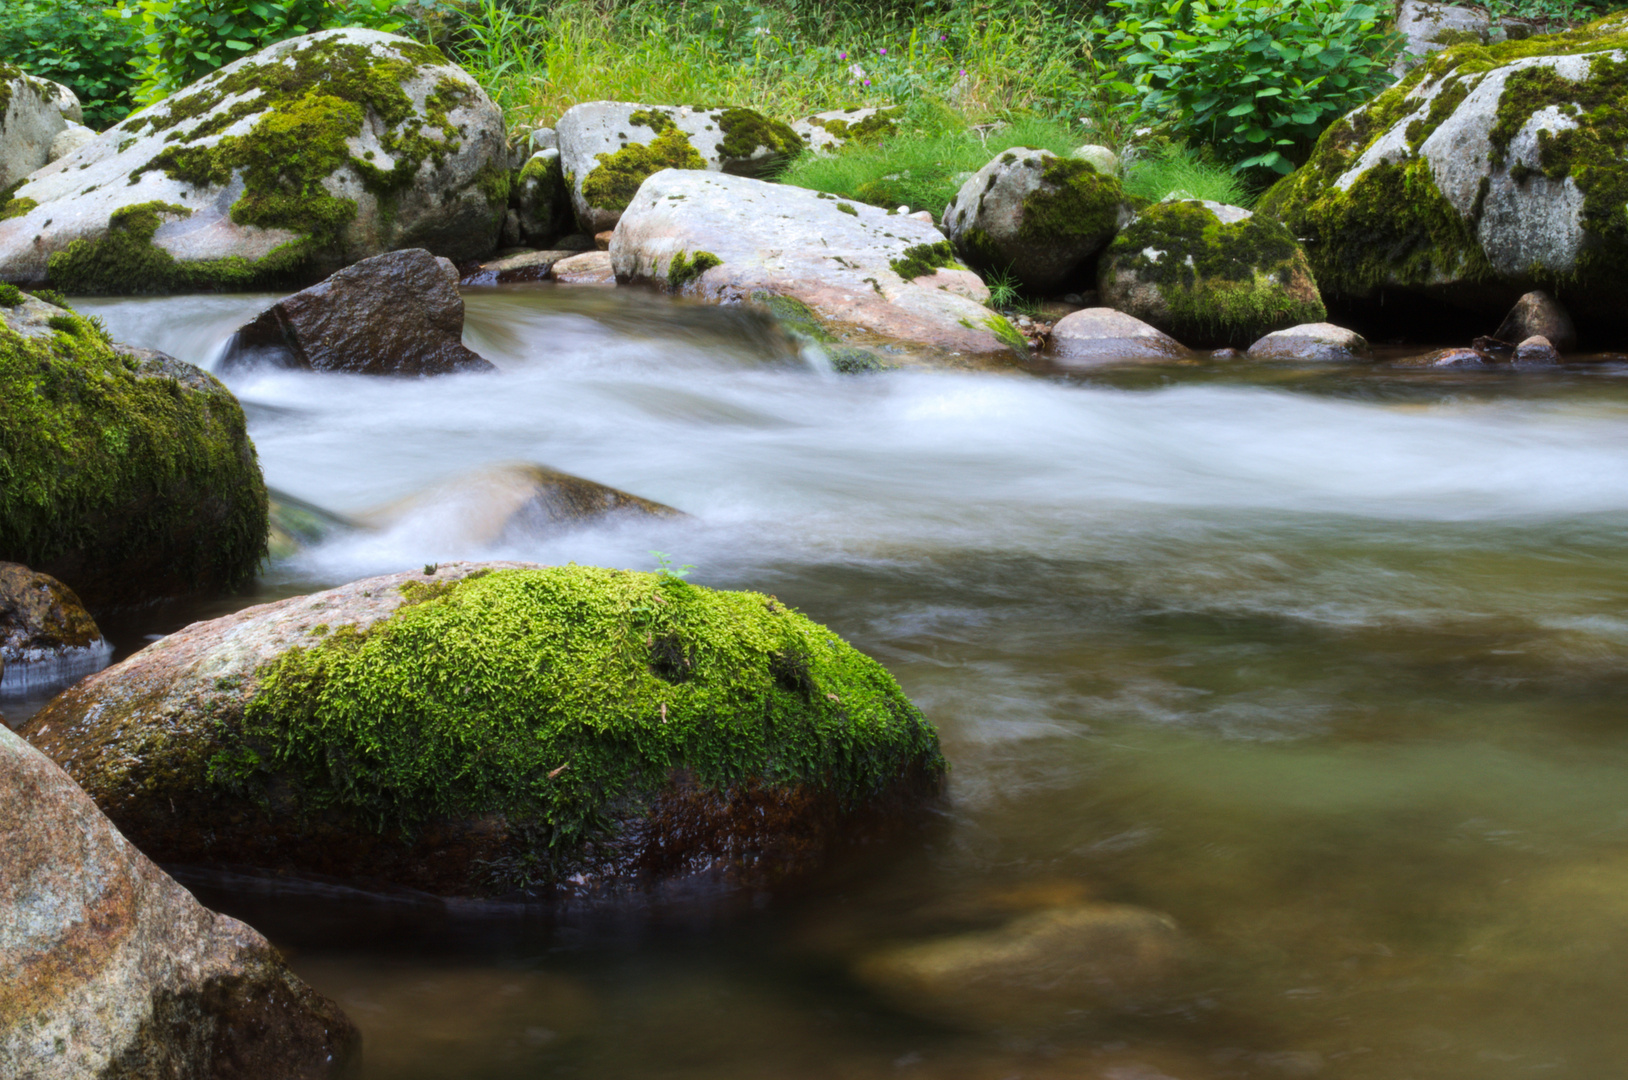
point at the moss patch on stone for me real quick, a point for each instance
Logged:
(16, 208)
(923, 259)
(1219, 282)
(998, 325)
(684, 268)
(10, 295)
(612, 183)
(1073, 200)
(746, 131)
(563, 699)
(124, 259)
(868, 131)
(110, 461)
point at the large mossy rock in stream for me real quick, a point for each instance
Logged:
(275, 170)
(1034, 215)
(851, 268)
(126, 474)
(112, 970)
(1487, 172)
(1208, 274)
(477, 729)
(608, 148)
(394, 314)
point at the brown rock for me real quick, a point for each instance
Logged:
(1536, 351)
(1312, 341)
(1097, 336)
(45, 633)
(114, 970)
(602, 239)
(1537, 314)
(394, 314)
(587, 268)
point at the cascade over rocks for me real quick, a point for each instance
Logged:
(837, 268)
(1034, 215)
(1209, 274)
(277, 169)
(480, 729)
(126, 474)
(114, 970)
(1487, 172)
(608, 148)
(1094, 336)
(393, 314)
(33, 114)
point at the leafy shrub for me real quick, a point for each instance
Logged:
(76, 43)
(1176, 168)
(184, 40)
(1257, 79)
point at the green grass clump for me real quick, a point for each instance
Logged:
(563, 697)
(921, 166)
(1176, 168)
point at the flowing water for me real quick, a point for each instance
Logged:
(1326, 666)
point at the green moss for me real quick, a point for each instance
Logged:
(1456, 37)
(657, 120)
(108, 464)
(997, 325)
(925, 259)
(848, 208)
(1226, 283)
(539, 170)
(562, 699)
(683, 269)
(124, 259)
(867, 132)
(10, 295)
(795, 316)
(1072, 201)
(309, 105)
(16, 208)
(746, 131)
(616, 179)
(52, 297)
(848, 361)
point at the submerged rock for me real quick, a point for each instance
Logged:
(393, 314)
(31, 117)
(1487, 172)
(1100, 335)
(114, 970)
(277, 169)
(1208, 273)
(608, 148)
(1034, 215)
(129, 475)
(478, 729)
(1312, 341)
(1034, 970)
(846, 267)
(46, 635)
(1537, 314)
(1536, 351)
(511, 504)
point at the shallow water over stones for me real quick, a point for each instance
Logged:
(1319, 667)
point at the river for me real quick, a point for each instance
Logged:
(1326, 665)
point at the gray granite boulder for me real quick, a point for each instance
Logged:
(277, 169)
(608, 148)
(114, 970)
(831, 130)
(33, 112)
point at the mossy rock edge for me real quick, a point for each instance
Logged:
(490, 729)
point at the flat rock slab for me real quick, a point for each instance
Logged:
(108, 961)
(855, 268)
(393, 314)
(585, 268)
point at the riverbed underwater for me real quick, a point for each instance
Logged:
(1284, 703)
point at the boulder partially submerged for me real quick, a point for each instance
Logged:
(478, 729)
(114, 970)
(46, 636)
(275, 170)
(126, 474)
(1097, 336)
(394, 314)
(852, 268)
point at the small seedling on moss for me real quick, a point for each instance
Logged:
(667, 571)
(430, 568)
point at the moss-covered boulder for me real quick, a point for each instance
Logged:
(274, 171)
(1209, 274)
(858, 274)
(124, 473)
(1487, 172)
(485, 728)
(608, 148)
(1034, 215)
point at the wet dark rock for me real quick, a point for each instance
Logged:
(1034, 970)
(1536, 351)
(1097, 336)
(394, 314)
(521, 266)
(46, 635)
(1451, 358)
(487, 729)
(114, 970)
(1537, 314)
(1312, 341)
(1225, 354)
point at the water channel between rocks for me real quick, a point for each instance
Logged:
(1326, 665)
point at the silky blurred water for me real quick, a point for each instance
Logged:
(1324, 664)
